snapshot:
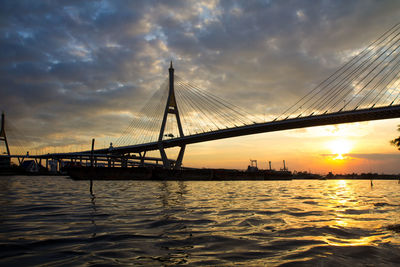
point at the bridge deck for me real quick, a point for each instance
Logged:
(287, 124)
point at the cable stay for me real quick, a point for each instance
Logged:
(370, 78)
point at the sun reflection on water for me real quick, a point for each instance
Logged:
(213, 223)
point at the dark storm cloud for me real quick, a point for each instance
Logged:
(81, 64)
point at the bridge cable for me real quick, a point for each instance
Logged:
(346, 66)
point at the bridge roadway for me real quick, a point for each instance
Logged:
(379, 113)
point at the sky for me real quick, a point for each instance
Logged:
(71, 71)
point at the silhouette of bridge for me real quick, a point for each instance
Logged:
(181, 113)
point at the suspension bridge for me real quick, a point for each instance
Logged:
(181, 113)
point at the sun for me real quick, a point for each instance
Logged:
(340, 147)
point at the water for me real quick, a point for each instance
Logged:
(54, 221)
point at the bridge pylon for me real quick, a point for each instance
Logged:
(171, 107)
(3, 136)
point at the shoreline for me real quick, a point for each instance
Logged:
(191, 174)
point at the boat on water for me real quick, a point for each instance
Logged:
(157, 173)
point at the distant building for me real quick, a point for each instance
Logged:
(30, 166)
(53, 166)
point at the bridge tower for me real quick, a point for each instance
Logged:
(171, 108)
(3, 136)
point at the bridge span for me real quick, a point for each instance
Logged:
(273, 126)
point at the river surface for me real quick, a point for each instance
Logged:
(55, 221)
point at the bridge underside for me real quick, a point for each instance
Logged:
(287, 124)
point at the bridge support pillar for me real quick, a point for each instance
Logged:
(3, 136)
(178, 163)
(142, 158)
(171, 108)
(167, 163)
(124, 161)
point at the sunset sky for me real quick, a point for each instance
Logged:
(76, 70)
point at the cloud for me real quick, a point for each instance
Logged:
(73, 67)
(376, 156)
(337, 156)
(382, 159)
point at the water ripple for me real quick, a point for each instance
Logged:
(54, 221)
